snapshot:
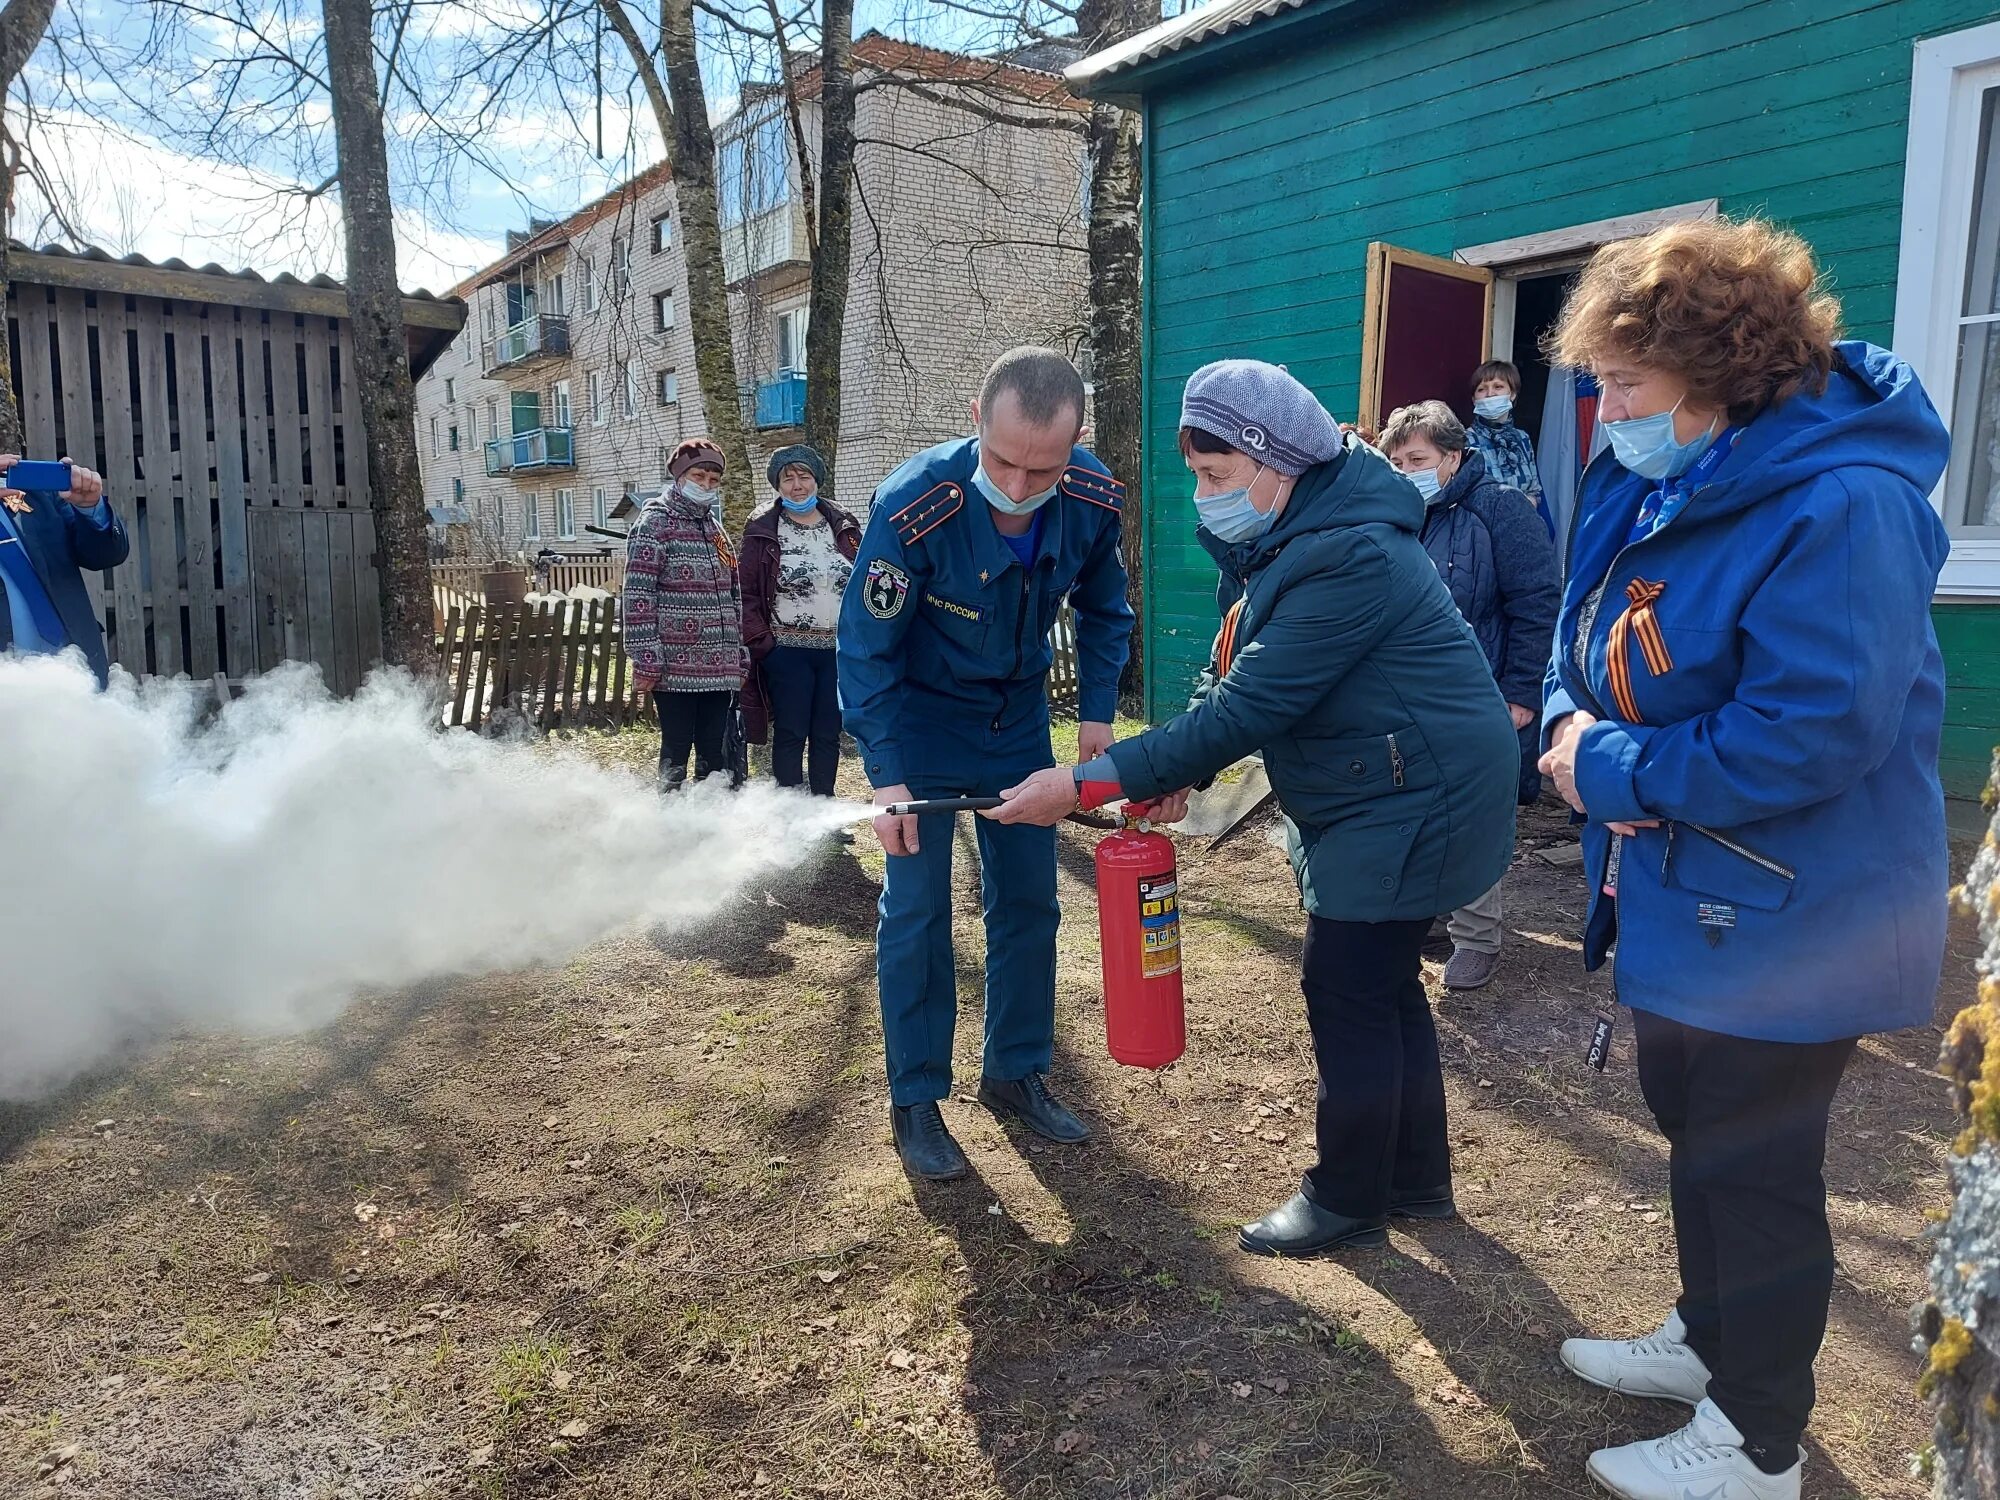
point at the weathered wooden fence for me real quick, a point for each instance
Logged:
(556, 666)
(222, 411)
(1062, 664)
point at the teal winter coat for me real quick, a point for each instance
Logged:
(1343, 659)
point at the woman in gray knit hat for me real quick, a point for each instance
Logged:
(1343, 659)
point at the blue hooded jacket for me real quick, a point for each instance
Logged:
(1775, 640)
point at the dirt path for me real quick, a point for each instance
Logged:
(634, 1229)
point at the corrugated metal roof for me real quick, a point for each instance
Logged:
(175, 263)
(1195, 27)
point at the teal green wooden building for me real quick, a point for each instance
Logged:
(1314, 166)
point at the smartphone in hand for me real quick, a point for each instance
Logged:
(31, 475)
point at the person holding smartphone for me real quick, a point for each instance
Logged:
(48, 536)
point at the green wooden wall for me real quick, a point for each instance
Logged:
(1271, 163)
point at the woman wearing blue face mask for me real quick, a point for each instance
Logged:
(1745, 702)
(1496, 557)
(797, 556)
(1493, 434)
(1344, 661)
(683, 618)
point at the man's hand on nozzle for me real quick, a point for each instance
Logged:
(897, 835)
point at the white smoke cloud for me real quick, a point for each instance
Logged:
(259, 871)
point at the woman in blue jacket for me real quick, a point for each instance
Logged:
(1745, 704)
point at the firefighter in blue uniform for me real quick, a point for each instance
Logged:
(970, 550)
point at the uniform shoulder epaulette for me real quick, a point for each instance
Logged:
(928, 511)
(1099, 489)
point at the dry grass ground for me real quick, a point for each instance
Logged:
(633, 1228)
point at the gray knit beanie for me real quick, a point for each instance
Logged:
(1261, 410)
(804, 457)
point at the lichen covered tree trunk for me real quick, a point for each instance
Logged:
(381, 356)
(680, 106)
(1959, 1327)
(1115, 307)
(834, 232)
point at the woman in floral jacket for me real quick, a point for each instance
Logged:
(683, 613)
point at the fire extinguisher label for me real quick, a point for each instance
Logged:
(1159, 928)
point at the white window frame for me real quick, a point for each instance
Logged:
(556, 296)
(790, 327)
(450, 389)
(663, 234)
(669, 387)
(587, 268)
(600, 513)
(629, 403)
(565, 516)
(665, 312)
(531, 517)
(621, 266)
(600, 409)
(1948, 82)
(434, 438)
(559, 405)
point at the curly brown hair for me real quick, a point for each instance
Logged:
(1734, 309)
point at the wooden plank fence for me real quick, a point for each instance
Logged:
(556, 666)
(1063, 695)
(230, 442)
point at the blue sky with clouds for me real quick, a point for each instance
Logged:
(137, 142)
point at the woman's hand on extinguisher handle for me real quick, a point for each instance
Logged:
(1045, 799)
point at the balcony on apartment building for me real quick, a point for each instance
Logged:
(538, 339)
(537, 448)
(781, 400)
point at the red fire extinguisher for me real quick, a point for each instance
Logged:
(1138, 925)
(1139, 937)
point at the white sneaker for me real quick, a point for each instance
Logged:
(1660, 1364)
(1703, 1461)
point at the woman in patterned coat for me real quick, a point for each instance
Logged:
(683, 613)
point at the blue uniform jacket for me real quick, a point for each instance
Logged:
(1775, 640)
(940, 621)
(61, 541)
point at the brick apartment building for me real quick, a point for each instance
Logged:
(575, 378)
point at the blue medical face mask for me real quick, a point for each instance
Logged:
(1001, 501)
(1493, 408)
(1231, 518)
(800, 507)
(697, 494)
(1426, 481)
(1647, 445)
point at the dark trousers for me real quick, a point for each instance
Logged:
(804, 698)
(1747, 1122)
(690, 721)
(1381, 1089)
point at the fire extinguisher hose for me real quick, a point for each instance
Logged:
(942, 805)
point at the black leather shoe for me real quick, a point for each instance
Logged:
(927, 1149)
(1300, 1227)
(1422, 1203)
(1029, 1101)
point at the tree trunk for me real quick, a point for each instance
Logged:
(1115, 306)
(381, 357)
(1958, 1329)
(836, 217)
(22, 23)
(681, 109)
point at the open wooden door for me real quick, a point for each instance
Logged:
(1427, 325)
